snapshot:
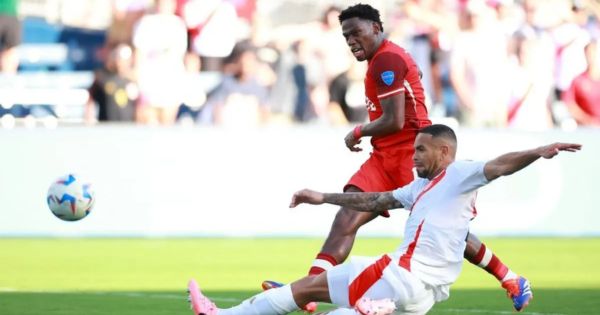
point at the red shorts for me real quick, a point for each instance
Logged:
(385, 170)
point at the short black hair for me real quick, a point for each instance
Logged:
(439, 130)
(361, 11)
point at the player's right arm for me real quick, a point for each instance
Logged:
(389, 71)
(359, 201)
(390, 121)
(510, 163)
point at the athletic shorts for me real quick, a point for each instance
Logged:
(385, 170)
(10, 32)
(378, 278)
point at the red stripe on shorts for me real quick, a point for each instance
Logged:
(366, 279)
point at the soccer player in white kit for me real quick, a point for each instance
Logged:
(419, 273)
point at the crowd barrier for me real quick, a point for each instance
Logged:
(209, 181)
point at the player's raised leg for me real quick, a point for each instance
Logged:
(518, 288)
(337, 246)
(340, 240)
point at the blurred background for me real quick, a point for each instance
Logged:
(184, 112)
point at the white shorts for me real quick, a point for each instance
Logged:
(378, 278)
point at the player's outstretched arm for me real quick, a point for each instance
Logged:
(512, 162)
(366, 202)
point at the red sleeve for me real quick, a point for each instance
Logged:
(388, 70)
(569, 95)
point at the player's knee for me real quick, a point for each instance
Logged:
(311, 288)
(347, 222)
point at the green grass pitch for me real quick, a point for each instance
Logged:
(149, 276)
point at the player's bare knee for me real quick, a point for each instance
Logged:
(473, 246)
(348, 221)
(311, 288)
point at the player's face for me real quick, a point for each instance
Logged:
(427, 156)
(361, 36)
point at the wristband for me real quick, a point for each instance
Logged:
(357, 132)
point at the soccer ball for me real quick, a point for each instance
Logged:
(69, 198)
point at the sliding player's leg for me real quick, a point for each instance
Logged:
(340, 240)
(337, 246)
(518, 288)
(281, 300)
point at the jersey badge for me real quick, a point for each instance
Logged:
(387, 77)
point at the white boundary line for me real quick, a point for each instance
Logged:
(476, 311)
(183, 297)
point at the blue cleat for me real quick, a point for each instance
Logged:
(519, 291)
(268, 285)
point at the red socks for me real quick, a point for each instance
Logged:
(488, 261)
(322, 263)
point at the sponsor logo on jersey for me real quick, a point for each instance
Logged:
(387, 77)
(370, 105)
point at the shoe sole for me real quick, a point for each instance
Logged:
(524, 305)
(194, 296)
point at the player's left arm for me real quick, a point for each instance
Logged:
(359, 201)
(510, 163)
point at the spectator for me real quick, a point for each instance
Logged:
(331, 51)
(10, 36)
(240, 100)
(532, 85)
(347, 96)
(426, 28)
(194, 97)
(212, 30)
(478, 67)
(583, 97)
(125, 14)
(113, 90)
(160, 40)
(570, 40)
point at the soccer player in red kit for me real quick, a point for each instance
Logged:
(395, 101)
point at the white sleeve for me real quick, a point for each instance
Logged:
(471, 173)
(405, 195)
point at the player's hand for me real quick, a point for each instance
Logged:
(352, 143)
(306, 196)
(552, 150)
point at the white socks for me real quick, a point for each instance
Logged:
(344, 311)
(509, 275)
(274, 301)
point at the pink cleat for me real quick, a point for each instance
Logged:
(199, 303)
(310, 307)
(367, 306)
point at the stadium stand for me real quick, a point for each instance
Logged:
(56, 68)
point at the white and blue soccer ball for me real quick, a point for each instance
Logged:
(70, 198)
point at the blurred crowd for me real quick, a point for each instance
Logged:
(524, 64)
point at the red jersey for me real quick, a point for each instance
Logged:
(392, 71)
(585, 92)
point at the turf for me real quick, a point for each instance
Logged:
(148, 276)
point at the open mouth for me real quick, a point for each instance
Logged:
(358, 52)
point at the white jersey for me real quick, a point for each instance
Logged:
(436, 230)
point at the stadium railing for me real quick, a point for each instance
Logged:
(41, 95)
